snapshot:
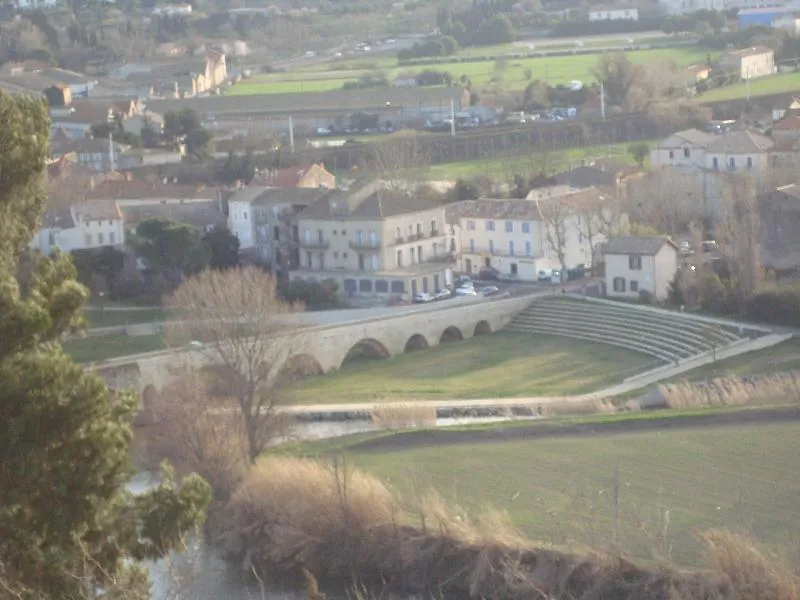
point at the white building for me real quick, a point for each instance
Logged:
(88, 225)
(639, 264)
(515, 237)
(614, 14)
(739, 151)
(684, 148)
(34, 4)
(676, 7)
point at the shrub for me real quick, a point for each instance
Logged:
(778, 306)
(729, 391)
(315, 296)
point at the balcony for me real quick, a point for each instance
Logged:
(441, 258)
(314, 244)
(365, 244)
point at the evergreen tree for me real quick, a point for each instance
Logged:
(68, 528)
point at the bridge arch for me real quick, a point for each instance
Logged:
(451, 334)
(366, 348)
(482, 328)
(416, 342)
(300, 366)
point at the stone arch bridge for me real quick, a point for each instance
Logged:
(329, 345)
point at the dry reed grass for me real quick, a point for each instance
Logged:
(338, 522)
(396, 415)
(780, 388)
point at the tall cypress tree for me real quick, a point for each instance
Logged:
(67, 526)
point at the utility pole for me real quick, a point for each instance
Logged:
(291, 135)
(452, 118)
(111, 166)
(602, 102)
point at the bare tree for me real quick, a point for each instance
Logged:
(554, 213)
(600, 217)
(738, 238)
(394, 157)
(666, 200)
(246, 334)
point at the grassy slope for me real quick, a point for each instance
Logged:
(764, 86)
(502, 364)
(555, 69)
(557, 490)
(112, 318)
(507, 167)
(93, 349)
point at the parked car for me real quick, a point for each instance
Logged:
(507, 277)
(466, 291)
(423, 297)
(545, 274)
(685, 248)
(710, 246)
(464, 281)
(442, 294)
(489, 290)
(488, 275)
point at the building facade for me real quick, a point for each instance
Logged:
(84, 226)
(374, 242)
(756, 61)
(614, 14)
(684, 148)
(639, 264)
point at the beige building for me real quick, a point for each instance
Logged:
(756, 61)
(373, 241)
(515, 239)
(639, 264)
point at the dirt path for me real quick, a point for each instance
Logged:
(540, 430)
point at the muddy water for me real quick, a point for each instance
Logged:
(200, 573)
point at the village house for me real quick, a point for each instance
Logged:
(639, 264)
(684, 148)
(757, 61)
(513, 237)
(738, 151)
(374, 241)
(87, 225)
(265, 222)
(312, 175)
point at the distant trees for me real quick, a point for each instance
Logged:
(170, 249)
(224, 248)
(443, 45)
(431, 77)
(186, 125)
(237, 167)
(483, 24)
(639, 151)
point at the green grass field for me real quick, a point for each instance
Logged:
(113, 318)
(764, 86)
(553, 69)
(502, 364)
(534, 163)
(559, 490)
(91, 349)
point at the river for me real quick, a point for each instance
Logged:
(200, 573)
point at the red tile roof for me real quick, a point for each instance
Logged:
(787, 123)
(290, 177)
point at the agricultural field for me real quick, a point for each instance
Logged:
(92, 349)
(98, 318)
(561, 484)
(498, 365)
(507, 167)
(763, 86)
(554, 69)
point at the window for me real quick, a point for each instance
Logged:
(749, 162)
(489, 225)
(398, 287)
(511, 248)
(687, 153)
(491, 246)
(472, 246)
(514, 269)
(619, 284)
(335, 255)
(319, 236)
(382, 286)
(307, 236)
(509, 226)
(671, 155)
(245, 215)
(276, 233)
(335, 232)
(365, 285)
(715, 163)
(527, 248)
(321, 260)
(433, 227)
(411, 254)
(732, 163)
(419, 228)
(419, 253)
(526, 228)
(88, 239)
(359, 237)
(374, 262)
(344, 255)
(397, 233)
(309, 261)
(634, 286)
(100, 238)
(471, 225)
(635, 262)
(580, 239)
(399, 258)
(111, 239)
(435, 247)
(52, 237)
